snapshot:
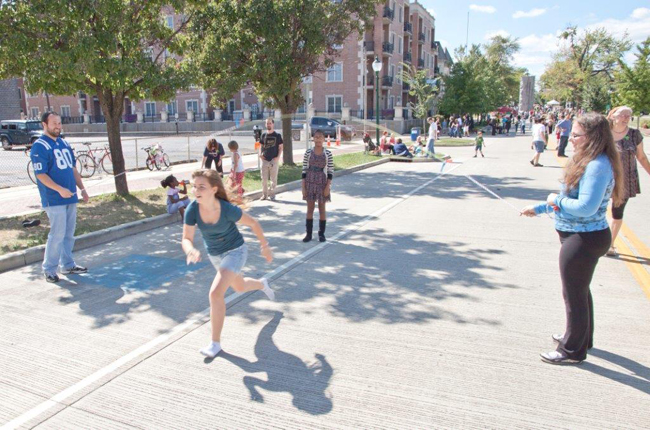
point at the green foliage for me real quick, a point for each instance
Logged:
(585, 61)
(633, 83)
(272, 44)
(113, 49)
(482, 79)
(596, 94)
(423, 92)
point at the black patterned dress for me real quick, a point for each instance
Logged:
(316, 179)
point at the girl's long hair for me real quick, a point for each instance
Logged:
(223, 192)
(599, 140)
(212, 143)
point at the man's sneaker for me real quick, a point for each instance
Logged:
(555, 357)
(558, 338)
(51, 278)
(263, 198)
(272, 198)
(74, 271)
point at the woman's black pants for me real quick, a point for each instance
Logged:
(578, 258)
(208, 165)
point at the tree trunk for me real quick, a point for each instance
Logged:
(287, 157)
(113, 106)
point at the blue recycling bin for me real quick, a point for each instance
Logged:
(415, 132)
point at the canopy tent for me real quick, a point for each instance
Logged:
(553, 103)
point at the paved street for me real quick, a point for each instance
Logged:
(427, 308)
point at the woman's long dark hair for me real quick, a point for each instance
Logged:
(599, 140)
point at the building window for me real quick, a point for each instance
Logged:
(192, 105)
(169, 21)
(399, 74)
(400, 14)
(65, 111)
(150, 109)
(399, 45)
(335, 73)
(35, 113)
(392, 70)
(391, 102)
(334, 104)
(172, 108)
(20, 94)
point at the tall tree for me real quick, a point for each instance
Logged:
(420, 89)
(501, 77)
(633, 83)
(114, 49)
(464, 87)
(272, 44)
(586, 58)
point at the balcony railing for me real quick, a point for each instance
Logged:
(387, 81)
(433, 45)
(388, 47)
(369, 45)
(405, 86)
(420, 62)
(389, 13)
(408, 57)
(408, 27)
(422, 37)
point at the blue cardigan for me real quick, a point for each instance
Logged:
(583, 208)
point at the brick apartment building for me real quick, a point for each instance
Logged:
(12, 99)
(403, 31)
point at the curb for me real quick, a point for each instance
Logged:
(35, 254)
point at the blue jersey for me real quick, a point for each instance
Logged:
(56, 159)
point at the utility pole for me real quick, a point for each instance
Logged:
(467, 34)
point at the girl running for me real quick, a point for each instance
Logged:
(237, 170)
(175, 203)
(216, 218)
(317, 171)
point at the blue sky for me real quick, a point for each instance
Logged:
(535, 23)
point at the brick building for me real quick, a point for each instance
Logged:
(402, 31)
(12, 99)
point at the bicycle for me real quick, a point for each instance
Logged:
(30, 170)
(156, 157)
(88, 161)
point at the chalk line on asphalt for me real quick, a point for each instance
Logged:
(148, 349)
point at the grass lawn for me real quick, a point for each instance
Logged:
(110, 210)
(453, 141)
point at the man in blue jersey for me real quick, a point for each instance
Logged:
(57, 179)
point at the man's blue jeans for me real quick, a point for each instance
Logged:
(430, 147)
(60, 241)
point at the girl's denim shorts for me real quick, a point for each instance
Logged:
(233, 260)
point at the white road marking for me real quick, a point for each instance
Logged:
(148, 348)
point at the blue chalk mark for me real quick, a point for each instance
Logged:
(139, 272)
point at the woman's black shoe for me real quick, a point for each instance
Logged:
(321, 230)
(309, 225)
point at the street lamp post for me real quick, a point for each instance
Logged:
(376, 66)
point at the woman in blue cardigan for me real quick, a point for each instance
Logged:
(592, 176)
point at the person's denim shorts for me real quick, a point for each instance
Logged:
(539, 146)
(233, 260)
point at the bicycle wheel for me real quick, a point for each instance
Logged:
(30, 172)
(150, 163)
(85, 165)
(165, 161)
(107, 163)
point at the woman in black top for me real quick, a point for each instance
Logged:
(213, 152)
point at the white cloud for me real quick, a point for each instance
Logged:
(636, 26)
(642, 12)
(483, 9)
(490, 34)
(530, 14)
(432, 12)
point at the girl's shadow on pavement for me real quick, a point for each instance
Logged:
(307, 383)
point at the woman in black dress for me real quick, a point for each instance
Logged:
(317, 171)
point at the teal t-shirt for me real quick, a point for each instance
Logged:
(223, 236)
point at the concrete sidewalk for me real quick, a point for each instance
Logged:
(427, 308)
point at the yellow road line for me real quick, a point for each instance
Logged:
(636, 267)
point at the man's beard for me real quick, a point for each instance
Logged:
(52, 132)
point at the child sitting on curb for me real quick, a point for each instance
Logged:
(175, 203)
